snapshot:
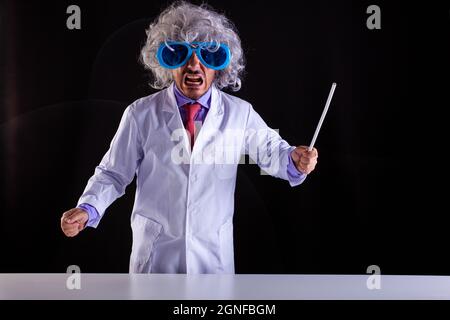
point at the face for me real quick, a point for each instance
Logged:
(193, 79)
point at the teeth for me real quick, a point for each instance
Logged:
(193, 79)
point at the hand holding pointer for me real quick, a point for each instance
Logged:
(305, 158)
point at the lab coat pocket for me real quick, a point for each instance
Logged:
(145, 233)
(226, 247)
(225, 171)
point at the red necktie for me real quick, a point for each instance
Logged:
(191, 112)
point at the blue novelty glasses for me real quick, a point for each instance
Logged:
(174, 54)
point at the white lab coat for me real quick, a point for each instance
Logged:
(182, 219)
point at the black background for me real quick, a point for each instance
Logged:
(378, 195)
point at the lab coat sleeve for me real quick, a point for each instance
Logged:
(117, 167)
(266, 148)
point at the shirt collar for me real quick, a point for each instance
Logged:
(204, 100)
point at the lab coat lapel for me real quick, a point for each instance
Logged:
(173, 119)
(211, 124)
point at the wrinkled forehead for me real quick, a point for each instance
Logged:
(195, 34)
(194, 44)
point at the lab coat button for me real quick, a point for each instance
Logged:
(194, 178)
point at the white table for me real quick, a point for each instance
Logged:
(221, 287)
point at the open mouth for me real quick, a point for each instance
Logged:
(192, 80)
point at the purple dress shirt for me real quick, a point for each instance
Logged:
(205, 102)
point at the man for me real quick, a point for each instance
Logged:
(184, 144)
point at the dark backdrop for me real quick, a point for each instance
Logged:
(378, 195)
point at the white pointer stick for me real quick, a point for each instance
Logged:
(324, 113)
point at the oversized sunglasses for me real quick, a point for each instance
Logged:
(174, 54)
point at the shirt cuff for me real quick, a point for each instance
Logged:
(94, 217)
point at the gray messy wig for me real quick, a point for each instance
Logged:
(184, 21)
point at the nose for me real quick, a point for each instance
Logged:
(194, 62)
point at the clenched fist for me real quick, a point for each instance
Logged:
(305, 161)
(73, 221)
